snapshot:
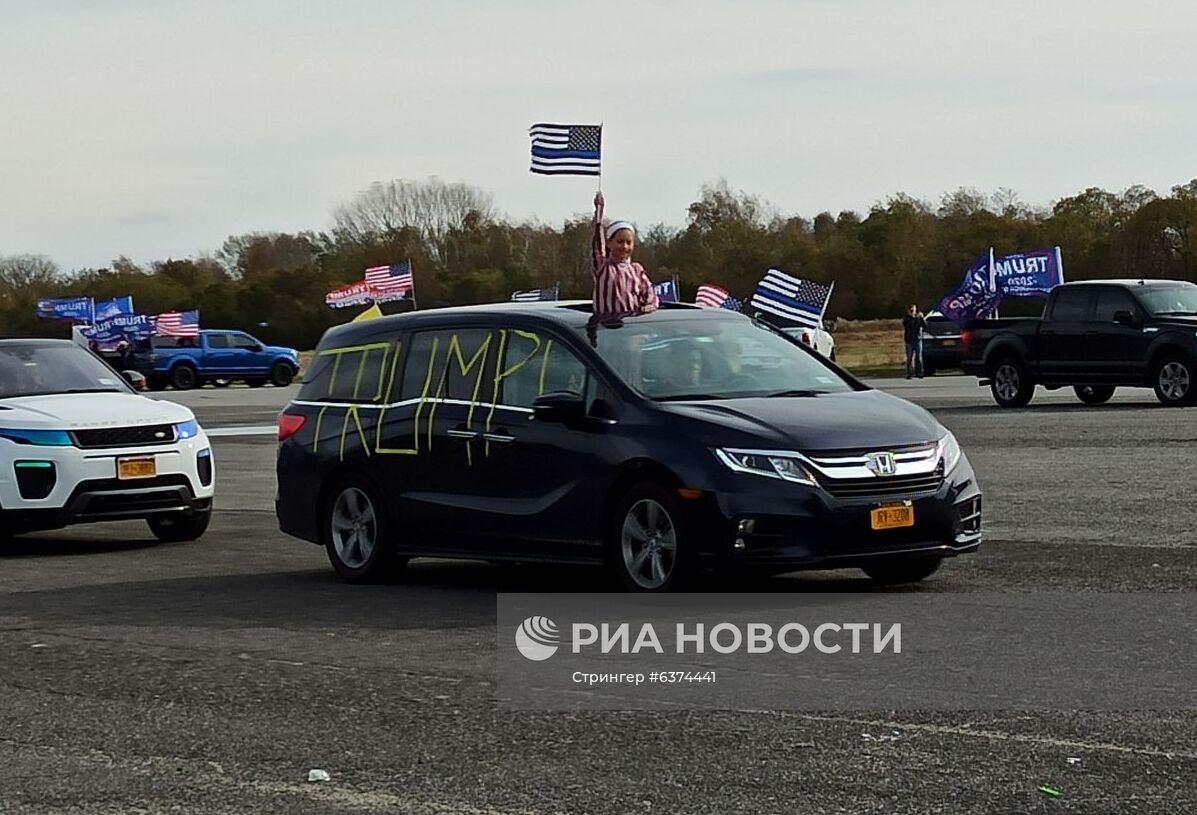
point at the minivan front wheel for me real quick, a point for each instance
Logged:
(649, 550)
(355, 533)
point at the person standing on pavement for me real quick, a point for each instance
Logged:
(912, 332)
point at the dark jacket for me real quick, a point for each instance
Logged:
(911, 327)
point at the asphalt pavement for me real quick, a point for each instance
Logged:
(210, 677)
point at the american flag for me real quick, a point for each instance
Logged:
(395, 278)
(566, 149)
(716, 297)
(534, 295)
(178, 324)
(798, 301)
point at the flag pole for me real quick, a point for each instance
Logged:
(414, 305)
(600, 172)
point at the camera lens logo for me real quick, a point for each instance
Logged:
(537, 638)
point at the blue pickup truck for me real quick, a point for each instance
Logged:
(214, 356)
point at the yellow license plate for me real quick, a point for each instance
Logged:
(136, 468)
(949, 342)
(893, 517)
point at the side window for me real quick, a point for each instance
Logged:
(1111, 301)
(243, 341)
(355, 374)
(1071, 304)
(218, 340)
(449, 365)
(164, 342)
(534, 364)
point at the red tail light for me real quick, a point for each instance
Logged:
(966, 337)
(289, 424)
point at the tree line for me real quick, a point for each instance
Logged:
(904, 250)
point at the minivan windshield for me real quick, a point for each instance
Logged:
(1162, 301)
(38, 370)
(712, 357)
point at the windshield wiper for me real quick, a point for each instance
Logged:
(1176, 313)
(685, 397)
(783, 394)
(79, 390)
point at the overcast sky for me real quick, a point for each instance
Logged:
(156, 129)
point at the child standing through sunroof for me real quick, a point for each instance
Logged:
(621, 286)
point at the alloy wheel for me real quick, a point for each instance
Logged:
(649, 544)
(354, 527)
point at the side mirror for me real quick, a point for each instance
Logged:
(1125, 318)
(135, 378)
(257, 349)
(561, 407)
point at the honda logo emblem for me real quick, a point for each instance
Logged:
(881, 463)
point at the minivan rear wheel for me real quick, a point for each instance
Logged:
(356, 535)
(649, 550)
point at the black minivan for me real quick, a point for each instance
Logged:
(659, 445)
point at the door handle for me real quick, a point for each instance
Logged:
(464, 435)
(498, 438)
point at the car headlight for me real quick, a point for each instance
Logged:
(186, 430)
(949, 452)
(41, 438)
(767, 463)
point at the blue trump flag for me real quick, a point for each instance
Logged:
(65, 308)
(1028, 274)
(128, 327)
(975, 296)
(113, 307)
(667, 291)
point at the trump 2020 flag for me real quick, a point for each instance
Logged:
(976, 295)
(115, 306)
(1028, 274)
(566, 149)
(791, 298)
(667, 291)
(66, 308)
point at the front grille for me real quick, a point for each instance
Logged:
(114, 503)
(137, 436)
(884, 486)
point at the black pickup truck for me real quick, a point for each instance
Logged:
(1094, 336)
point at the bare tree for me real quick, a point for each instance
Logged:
(19, 271)
(432, 208)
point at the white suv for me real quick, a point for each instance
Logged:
(78, 445)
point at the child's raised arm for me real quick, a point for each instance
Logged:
(598, 244)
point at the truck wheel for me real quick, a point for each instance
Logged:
(1010, 383)
(183, 377)
(1173, 380)
(1094, 394)
(281, 374)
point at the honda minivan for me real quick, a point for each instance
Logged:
(659, 446)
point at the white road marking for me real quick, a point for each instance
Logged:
(242, 430)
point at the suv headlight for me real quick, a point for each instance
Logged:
(767, 463)
(186, 430)
(949, 452)
(40, 438)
